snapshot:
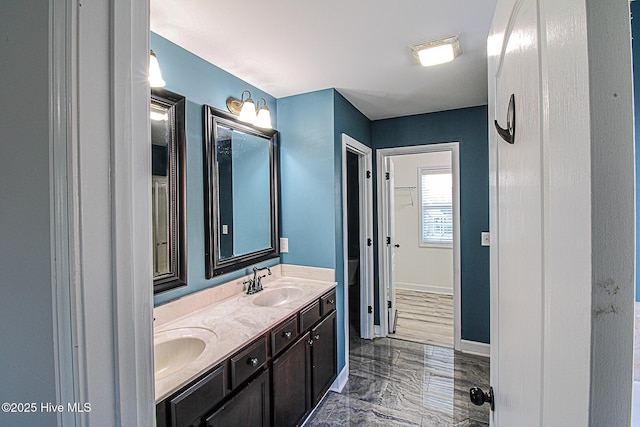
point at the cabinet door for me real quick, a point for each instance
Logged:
(188, 408)
(323, 356)
(250, 407)
(290, 384)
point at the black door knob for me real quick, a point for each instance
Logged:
(396, 245)
(479, 397)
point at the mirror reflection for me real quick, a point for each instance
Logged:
(160, 139)
(168, 189)
(244, 192)
(240, 192)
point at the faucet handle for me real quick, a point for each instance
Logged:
(250, 286)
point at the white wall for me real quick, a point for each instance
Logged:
(27, 356)
(418, 268)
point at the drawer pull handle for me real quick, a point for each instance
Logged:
(253, 361)
(331, 301)
(287, 335)
(317, 337)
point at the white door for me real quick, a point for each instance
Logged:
(516, 356)
(391, 292)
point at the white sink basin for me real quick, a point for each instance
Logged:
(176, 348)
(279, 296)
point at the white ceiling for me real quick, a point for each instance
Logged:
(360, 47)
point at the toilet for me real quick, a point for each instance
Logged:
(352, 269)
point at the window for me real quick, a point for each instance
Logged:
(436, 211)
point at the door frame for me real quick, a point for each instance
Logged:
(383, 257)
(365, 163)
(99, 188)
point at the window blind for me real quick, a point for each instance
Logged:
(436, 204)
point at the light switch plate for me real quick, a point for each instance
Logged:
(225, 229)
(284, 244)
(486, 238)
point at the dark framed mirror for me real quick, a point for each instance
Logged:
(168, 190)
(241, 193)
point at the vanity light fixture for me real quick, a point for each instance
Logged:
(248, 112)
(437, 51)
(263, 120)
(155, 76)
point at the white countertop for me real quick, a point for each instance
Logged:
(233, 322)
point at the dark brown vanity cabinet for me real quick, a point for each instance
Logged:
(291, 384)
(304, 372)
(250, 407)
(324, 362)
(277, 379)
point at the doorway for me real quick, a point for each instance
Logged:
(419, 243)
(357, 191)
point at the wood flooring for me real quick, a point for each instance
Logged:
(424, 317)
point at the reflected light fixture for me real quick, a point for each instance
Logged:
(247, 112)
(159, 114)
(437, 51)
(155, 76)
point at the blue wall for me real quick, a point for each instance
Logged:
(305, 123)
(307, 159)
(311, 127)
(468, 126)
(635, 32)
(201, 83)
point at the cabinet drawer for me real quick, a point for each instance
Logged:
(309, 316)
(248, 361)
(198, 399)
(328, 303)
(283, 335)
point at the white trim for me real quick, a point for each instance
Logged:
(377, 331)
(341, 379)
(381, 156)
(419, 287)
(474, 347)
(63, 190)
(364, 154)
(100, 131)
(131, 210)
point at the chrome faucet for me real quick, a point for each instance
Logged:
(255, 284)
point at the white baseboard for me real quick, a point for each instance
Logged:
(474, 347)
(341, 380)
(424, 288)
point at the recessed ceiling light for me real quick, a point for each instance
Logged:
(437, 51)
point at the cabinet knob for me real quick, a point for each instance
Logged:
(287, 335)
(310, 342)
(317, 337)
(253, 361)
(331, 301)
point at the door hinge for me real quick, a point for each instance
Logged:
(369, 242)
(368, 174)
(389, 304)
(387, 176)
(369, 309)
(388, 240)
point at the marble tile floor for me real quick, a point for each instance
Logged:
(424, 317)
(399, 383)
